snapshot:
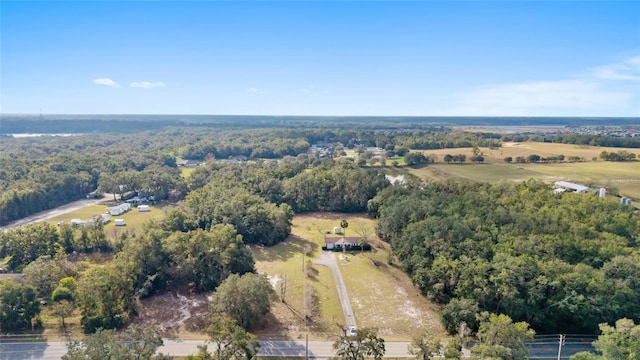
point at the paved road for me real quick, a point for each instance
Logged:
(316, 349)
(328, 259)
(48, 214)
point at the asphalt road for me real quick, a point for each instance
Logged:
(328, 259)
(316, 349)
(48, 214)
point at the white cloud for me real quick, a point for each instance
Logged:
(309, 89)
(627, 70)
(146, 84)
(106, 82)
(591, 93)
(255, 90)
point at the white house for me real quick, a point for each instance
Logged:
(569, 186)
(341, 242)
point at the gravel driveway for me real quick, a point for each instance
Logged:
(328, 259)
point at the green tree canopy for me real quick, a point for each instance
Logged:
(621, 342)
(501, 338)
(245, 299)
(230, 341)
(18, 306)
(135, 343)
(365, 343)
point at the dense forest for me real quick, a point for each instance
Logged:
(561, 262)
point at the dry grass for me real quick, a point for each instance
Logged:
(382, 296)
(52, 325)
(185, 172)
(622, 177)
(528, 148)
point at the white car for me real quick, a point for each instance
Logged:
(352, 330)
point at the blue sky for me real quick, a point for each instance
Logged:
(428, 58)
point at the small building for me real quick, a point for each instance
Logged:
(337, 230)
(119, 222)
(625, 201)
(77, 222)
(569, 186)
(144, 208)
(137, 200)
(602, 192)
(341, 242)
(189, 163)
(120, 209)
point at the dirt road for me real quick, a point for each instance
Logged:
(48, 214)
(328, 259)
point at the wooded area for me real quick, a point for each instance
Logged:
(560, 262)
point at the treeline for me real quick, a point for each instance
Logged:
(37, 174)
(261, 147)
(595, 140)
(562, 263)
(534, 158)
(617, 156)
(577, 139)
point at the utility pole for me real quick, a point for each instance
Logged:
(306, 347)
(560, 345)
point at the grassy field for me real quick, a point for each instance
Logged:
(133, 218)
(404, 312)
(619, 176)
(185, 172)
(527, 148)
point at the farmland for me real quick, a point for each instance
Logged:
(623, 177)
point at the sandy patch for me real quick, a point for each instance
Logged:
(274, 280)
(172, 310)
(409, 308)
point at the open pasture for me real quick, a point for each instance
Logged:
(622, 177)
(525, 149)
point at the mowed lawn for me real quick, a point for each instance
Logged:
(381, 296)
(621, 176)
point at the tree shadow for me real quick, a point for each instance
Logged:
(292, 246)
(269, 327)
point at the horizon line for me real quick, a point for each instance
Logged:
(327, 116)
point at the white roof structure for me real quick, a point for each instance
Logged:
(571, 186)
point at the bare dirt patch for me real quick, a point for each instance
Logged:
(175, 311)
